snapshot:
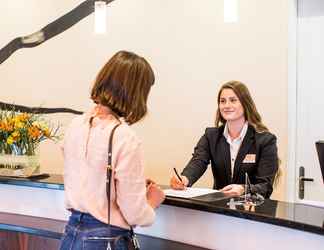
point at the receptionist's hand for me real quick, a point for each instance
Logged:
(233, 190)
(176, 183)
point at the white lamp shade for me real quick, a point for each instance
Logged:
(230, 11)
(100, 17)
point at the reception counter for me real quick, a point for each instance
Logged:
(180, 223)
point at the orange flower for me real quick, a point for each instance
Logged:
(23, 117)
(24, 130)
(8, 126)
(47, 133)
(33, 132)
(15, 135)
(18, 124)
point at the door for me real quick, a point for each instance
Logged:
(310, 99)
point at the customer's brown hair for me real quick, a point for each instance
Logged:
(123, 85)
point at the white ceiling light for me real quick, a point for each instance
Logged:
(230, 11)
(100, 17)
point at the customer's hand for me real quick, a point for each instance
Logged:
(149, 181)
(233, 190)
(155, 195)
(176, 183)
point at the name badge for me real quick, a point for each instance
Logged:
(249, 158)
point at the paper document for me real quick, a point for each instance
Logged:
(189, 192)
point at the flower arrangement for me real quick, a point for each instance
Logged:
(21, 133)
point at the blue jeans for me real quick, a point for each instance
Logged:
(84, 232)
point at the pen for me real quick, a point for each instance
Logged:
(176, 172)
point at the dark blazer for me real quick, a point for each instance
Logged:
(213, 148)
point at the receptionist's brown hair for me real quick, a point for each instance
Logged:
(251, 113)
(123, 85)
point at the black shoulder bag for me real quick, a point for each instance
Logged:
(131, 239)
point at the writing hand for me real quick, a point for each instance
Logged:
(176, 183)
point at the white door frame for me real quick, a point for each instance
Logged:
(292, 173)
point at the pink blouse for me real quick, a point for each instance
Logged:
(85, 161)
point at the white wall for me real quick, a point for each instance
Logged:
(188, 45)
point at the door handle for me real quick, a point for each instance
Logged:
(305, 179)
(302, 179)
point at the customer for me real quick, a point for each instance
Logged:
(120, 92)
(239, 144)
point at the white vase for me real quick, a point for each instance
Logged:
(19, 165)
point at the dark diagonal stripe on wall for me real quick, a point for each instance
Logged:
(54, 28)
(38, 110)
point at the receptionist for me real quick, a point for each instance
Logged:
(239, 144)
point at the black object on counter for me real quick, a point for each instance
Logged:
(320, 153)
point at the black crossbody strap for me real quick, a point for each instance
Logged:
(109, 170)
(134, 240)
